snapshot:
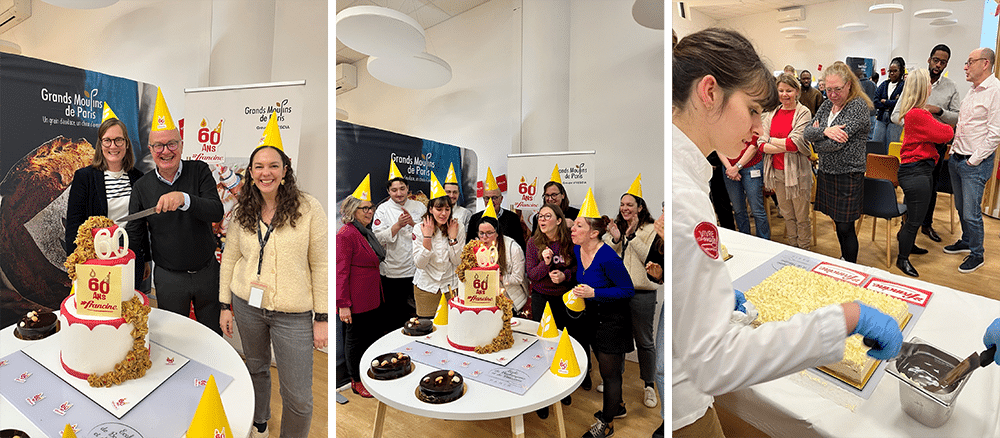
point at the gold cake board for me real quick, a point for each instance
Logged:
(868, 371)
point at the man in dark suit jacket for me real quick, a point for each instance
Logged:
(510, 222)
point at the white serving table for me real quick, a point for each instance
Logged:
(953, 321)
(480, 402)
(178, 333)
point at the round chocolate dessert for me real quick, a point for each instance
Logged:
(418, 327)
(441, 386)
(12, 433)
(36, 325)
(390, 366)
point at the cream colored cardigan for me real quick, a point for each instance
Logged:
(295, 263)
(798, 168)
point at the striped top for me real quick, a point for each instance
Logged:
(118, 189)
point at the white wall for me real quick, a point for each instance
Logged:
(613, 103)
(178, 45)
(695, 21)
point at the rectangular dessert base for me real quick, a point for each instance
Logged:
(866, 373)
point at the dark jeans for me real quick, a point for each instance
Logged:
(176, 291)
(397, 292)
(364, 329)
(916, 180)
(929, 217)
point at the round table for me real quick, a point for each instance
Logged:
(481, 401)
(183, 335)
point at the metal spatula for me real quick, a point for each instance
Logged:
(967, 366)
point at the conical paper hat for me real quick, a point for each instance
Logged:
(589, 207)
(272, 135)
(161, 115)
(636, 188)
(573, 302)
(68, 430)
(491, 183)
(490, 211)
(452, 178)
(437, 190)
(555, 175)
(364, 190)
(107, 113)
(394, 171)
(441, 317)
(564, 364)
(547, 325)
(210, 417)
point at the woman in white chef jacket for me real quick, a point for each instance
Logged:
(720, 88)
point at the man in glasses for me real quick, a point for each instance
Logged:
(510, 222)
(944, 104)
(971, 163)
(179, 236)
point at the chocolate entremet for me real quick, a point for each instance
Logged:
(13, 433)
(441, 386)
(137, 361)
(418, 327)
(36, 325)
(390, 366)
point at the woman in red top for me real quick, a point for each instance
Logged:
(917, 159)
(787, 169)
(745, 183)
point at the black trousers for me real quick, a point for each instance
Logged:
(916, 181)
(397, 309)
(929, 217)
(176, 291)
(364, 329)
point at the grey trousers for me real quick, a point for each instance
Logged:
(643, 306)
(292, 336)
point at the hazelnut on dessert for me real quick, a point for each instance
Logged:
(439, 379)
(384, 363)
(394, 360)
(451, 373)
(455, 379)
(375, 363)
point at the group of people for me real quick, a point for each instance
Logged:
(272, 279)
(614, 265)
(720, 88)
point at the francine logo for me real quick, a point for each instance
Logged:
(3, 362)
(170, 361)
(119, 403)
(161, 122)
(200, 382)
(24, 376)
(61, 410)
(220, 433)
(75, 427)
(35, 399)
(563, 366)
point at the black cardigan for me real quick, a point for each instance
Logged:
(87, 197)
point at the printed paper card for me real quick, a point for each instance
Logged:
(906, 293)
(481, 286)
(102, 293)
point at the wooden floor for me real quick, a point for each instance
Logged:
(355, 418)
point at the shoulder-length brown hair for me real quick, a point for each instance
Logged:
(101, 163)
(250, 201)
(541, 241)
(439, 202)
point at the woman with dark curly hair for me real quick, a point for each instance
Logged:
(274, 282)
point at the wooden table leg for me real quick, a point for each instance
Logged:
(517, 426)
(559, 419)
(379, 420)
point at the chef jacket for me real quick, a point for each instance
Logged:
(436, 266)
(398, 261)
(710, 356)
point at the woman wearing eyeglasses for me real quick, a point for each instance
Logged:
(511, 259)
(359, 289)
(555, 193)
(839, 132)
(104, 187)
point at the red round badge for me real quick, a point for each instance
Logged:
(414, 236)
(707, 237)
(378, 222)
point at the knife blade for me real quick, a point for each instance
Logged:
(967, 366)
(139, 215)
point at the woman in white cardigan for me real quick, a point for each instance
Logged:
(787, 169)
(511, 259)
(436, 253)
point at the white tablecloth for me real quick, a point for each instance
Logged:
(183, 335)
(953, 321)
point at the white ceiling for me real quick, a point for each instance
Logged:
(427, 12)
(726, 9)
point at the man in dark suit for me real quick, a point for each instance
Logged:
(510, 222)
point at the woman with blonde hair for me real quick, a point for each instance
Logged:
(787, 169)
(917, 157)
(839, 133)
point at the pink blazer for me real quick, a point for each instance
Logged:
(358, 283)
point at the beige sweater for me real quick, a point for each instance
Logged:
(634, 257)
(798, 168)
(294, 268)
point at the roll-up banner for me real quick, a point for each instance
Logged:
(529, 173)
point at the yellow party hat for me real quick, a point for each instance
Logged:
(564, 364)
(272, 135)
(555, 175)
(573, 302)
(210, 417)
(441, 317)
(547, 326)
(451, 178)
(636, 188)
(364, 190)
(161, 114)
(394, 171)
(490, 210)
(589, 207)
(68, 430)
(107, 113)
(491, 183)
(437, 190)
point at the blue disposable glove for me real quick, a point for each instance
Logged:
(740, 300)
(880, 327)
(992, 338)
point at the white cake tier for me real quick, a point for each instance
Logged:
(471, 327)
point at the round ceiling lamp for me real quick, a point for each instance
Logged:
(944, 22)
(852, 27)
(886, 8)
(10, 47)
(378, 31)
(648, 13)
(933, 13)
(794, 30)
(419, 72)
(795, 36)
(81, 4)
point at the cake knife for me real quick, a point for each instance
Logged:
(139, 215)
(967, 366)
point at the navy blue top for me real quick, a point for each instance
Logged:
(606, 274)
